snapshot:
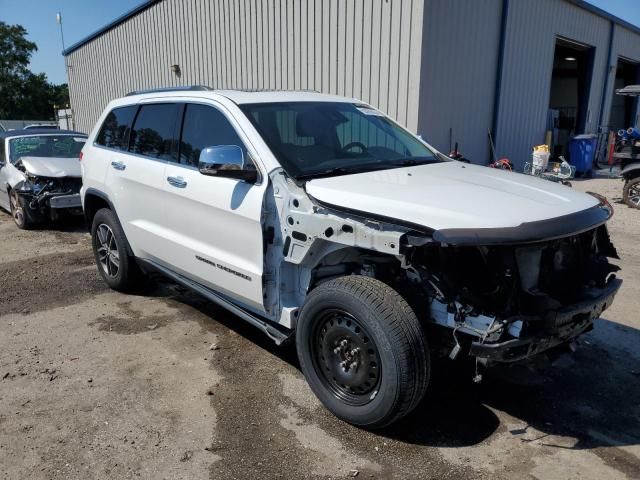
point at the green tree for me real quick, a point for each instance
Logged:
(15, 52)
(60, 95)
(23, 94)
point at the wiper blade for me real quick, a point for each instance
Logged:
(344, 171)
(410, 162)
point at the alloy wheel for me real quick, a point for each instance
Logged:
(634, 194)
(108, 253)
(16, 209)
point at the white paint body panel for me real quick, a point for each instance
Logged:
(213, 234)
(451, 195)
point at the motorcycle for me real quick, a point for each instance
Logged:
(628, 154)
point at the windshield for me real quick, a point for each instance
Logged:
(314, 139)
(67, 146)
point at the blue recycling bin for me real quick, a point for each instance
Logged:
(582, 149)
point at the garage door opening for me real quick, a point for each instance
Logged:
(624, 108)
(569, 99)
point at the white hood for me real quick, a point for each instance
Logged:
(52, 166)
(451, 195)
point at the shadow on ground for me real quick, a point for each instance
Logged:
(591, 395)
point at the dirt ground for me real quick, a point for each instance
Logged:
(96, 384)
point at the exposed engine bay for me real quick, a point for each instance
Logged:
(509, 302)
(496, 301)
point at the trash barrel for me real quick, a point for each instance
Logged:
(582, 149)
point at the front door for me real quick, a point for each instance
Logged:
(213, 224)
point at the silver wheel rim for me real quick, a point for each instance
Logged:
(16, 210)
(634, 195)
(108, 254)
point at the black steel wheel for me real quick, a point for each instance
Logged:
(346, 356)
(362, 350)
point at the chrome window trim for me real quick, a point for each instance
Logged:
(199, 101)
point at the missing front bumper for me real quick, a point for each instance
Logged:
(560, 327)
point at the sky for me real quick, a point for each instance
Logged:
(80, 18)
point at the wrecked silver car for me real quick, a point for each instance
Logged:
(40, 176)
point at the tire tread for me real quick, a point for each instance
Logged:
(407, 336)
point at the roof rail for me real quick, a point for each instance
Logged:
(258, 90)
(193, 88)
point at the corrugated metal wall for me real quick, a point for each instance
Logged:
(625, 44)
(528, 64)
(460, 44)
(368, 49)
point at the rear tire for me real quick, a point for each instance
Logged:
(362, 351)
(117, 268)
(631, 192)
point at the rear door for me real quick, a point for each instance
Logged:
(136, 177)
(213, 224)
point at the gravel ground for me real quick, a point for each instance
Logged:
(96, 384)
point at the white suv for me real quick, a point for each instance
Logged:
(317, 217)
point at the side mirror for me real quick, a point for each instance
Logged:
(226, 161)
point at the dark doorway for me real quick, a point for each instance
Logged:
(569, 99)
(624, 108)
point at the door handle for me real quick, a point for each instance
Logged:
(177, 182)
(118, 165)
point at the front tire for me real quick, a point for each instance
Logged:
(362, 351)
(20, 211)
(117, 268)
(631, 192)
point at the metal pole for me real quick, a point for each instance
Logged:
(66, 67)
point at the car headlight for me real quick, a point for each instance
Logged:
(33, 184)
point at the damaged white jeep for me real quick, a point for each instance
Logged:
(317, 217)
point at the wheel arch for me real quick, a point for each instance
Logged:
(631, 171)
(95, 200)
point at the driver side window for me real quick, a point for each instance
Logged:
(204, 126)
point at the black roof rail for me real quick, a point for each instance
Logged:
(193, 88)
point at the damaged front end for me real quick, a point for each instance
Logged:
(509, 302)
(47, 196)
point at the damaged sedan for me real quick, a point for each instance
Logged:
(40, 176)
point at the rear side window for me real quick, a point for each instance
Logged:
(116, 128)
(203, 127)
(153, 133)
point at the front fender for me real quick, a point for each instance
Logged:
(14, 177)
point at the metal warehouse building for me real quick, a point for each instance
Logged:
(450, 70)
